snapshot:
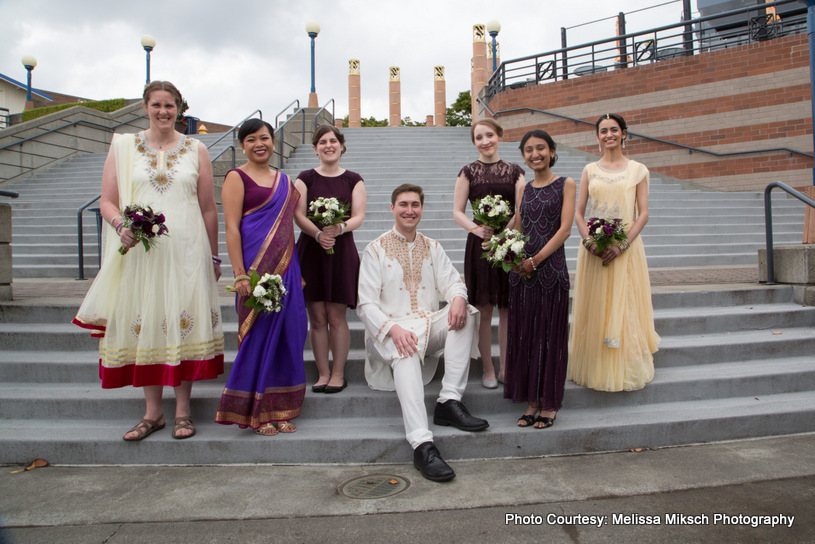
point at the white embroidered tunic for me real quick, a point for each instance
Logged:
(401, 283)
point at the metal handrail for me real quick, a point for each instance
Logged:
(79, 246)
(281, 134)
(545, 66)
(10, 194)
(690, 149)
(321, 110)
(277, 117)
(230, 148)
(235, 127)
(768, 221)
(81, 121)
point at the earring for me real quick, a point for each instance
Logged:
(599, 148)
(623, 143)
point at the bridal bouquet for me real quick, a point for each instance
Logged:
(267, 292)
(327, 211)
(493, 211)
(145, 224)
(506, 249)
(606, 232)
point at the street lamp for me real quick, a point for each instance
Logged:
(148, 42)
(493, 28)
(312, 29)
(29, 62)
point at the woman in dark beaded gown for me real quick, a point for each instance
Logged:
(487, 286)
(538, 335)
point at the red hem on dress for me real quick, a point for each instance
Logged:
(98, 331)
(158, 374)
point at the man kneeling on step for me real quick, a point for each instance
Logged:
(402, 278)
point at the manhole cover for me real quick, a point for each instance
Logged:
(374, 486)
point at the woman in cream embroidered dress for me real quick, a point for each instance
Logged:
(157, 313)
(612, 338)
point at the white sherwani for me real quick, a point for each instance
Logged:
(401, 283)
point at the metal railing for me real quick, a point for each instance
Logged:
(321, 110)
(281, 135)
(9, 194)
(295, 102)
(80, 122)
(685, 38)
(768, 221)
(689, 148)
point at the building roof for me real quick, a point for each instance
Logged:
(24, 86)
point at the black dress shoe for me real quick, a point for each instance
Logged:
(336, 388)
(452, 412)
(319, 388)
(428, 461)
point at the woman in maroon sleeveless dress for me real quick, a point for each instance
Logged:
(539, 289)
(330, 280)
(487, 286)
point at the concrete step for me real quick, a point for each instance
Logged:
(381, 439)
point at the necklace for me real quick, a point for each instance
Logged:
(547, 184)
(155, 144)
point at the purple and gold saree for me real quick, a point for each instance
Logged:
(267, 382)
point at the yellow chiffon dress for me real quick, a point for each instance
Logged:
(612, 338)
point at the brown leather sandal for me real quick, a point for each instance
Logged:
(143, 429)
(183, 423)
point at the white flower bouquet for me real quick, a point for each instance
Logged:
(493, 211)
(326, 211)
(506, 249)
(267, 293)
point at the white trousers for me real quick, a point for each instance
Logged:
(407, 374)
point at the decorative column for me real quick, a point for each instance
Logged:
(429, 121)
(395, 119)
(809, 223)
(354, 94)
(440, 94)
(480, 66)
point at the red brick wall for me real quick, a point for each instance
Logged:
(751, 97)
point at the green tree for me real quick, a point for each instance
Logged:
(460, 111)
(408, 122)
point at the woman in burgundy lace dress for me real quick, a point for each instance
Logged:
(487, 287)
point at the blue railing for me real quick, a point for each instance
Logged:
(685, 38)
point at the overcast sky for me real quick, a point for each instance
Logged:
(230, 58)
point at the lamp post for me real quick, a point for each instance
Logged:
(29, 62)
(493, 28)
(312, 29)
(148, 42)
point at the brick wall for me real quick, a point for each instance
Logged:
(751, 97)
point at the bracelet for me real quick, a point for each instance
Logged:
(119, 228)
(623, 245)
(216, 259)
(472, 229)
(242, 277)
(317, 236)
(532, 262)
(115, 218)
(587, 242)
(342, 229)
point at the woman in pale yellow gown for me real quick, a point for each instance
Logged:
(612, 338)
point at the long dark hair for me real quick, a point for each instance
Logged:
(614, 117)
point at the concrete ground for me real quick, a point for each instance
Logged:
(722, 492)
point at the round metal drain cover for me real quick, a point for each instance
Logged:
(374, 486)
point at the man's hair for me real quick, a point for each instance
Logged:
(407, 188)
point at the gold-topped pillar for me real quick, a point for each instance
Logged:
(395, 87)
(480, 67)
(354, 94)
(440, 95)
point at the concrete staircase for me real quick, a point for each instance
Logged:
(734, 362)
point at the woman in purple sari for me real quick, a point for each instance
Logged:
(267, 383)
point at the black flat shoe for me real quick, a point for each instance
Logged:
(428, 461)
(336, 389)
(528, 419)
(319, 388)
